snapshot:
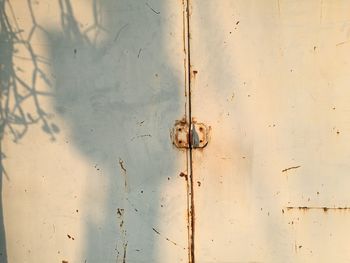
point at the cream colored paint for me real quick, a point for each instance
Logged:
(272, 83)
(117, 86)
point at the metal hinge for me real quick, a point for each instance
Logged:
(183, 136)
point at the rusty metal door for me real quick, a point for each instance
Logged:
(272, 79)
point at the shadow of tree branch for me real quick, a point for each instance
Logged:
(16, 91)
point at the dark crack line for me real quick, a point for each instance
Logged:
(290, 168)
(150, 7)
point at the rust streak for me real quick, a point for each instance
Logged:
(155, 230)
(183, 175)
(124, 255)
(141, 136)
(190, 187)
(341, 43)
(70, 237)
(194, 73)
(166, 238)
(290, 168)
(324, 208)
(138, 55)
(122, 243)
(184, 48)
(121, 163)
(184, 28)
(120, 211)
(122, 167)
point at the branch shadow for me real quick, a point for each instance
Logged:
(16, 91)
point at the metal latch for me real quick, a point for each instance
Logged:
(183, 136)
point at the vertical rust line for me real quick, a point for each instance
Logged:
(190, 194)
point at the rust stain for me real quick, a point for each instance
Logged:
(96, 166)
(123, 241)
(64, 261)
(184, 39)
(177, 140)
(189, 185)
(120, 214)
(184, 27)
(290, 168)
(121, 163)
(194, 73)
(183, 175)
(70, 237)
(138, 55)
(185, 66)
(140, 136)
(183, 136)
(124, 255)
(297, 247)
(341, 43)
(122, 167)
(192, 220)
(167, 239)
(180, 134)
(324, 208)
(155, 230)
(181, 122)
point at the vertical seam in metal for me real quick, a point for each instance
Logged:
(190, 196)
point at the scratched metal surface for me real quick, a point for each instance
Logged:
(93, 175)
(273, 83)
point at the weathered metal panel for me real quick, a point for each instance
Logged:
(90, 91)
(272, 80)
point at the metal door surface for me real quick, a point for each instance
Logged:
(272, 79)
(90, 91)
(254, 170)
